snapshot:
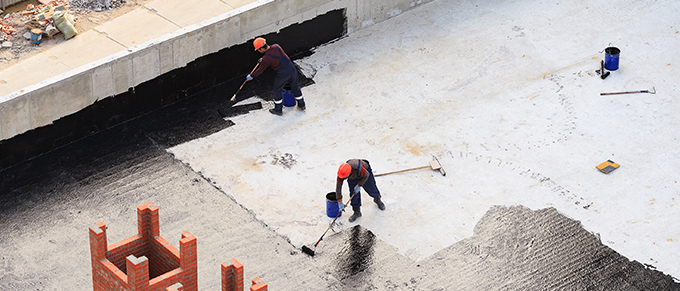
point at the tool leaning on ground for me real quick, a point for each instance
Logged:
(434, 165)
(603, 74)
(653, 91)
(244, 82)
(311, 252)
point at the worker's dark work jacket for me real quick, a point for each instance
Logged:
(361, 175)
(277, 59)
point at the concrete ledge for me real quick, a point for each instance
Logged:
(15, 117)
(123, 77)
(64, 90)
(59, 100)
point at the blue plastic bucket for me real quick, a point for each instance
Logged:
(332, 206)
(36, 36)
(611, 58)
(288, 98)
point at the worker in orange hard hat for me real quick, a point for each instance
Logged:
(276, 58)
(358, 174)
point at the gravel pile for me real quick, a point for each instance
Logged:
(96, 5)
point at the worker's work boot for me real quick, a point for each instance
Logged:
(278, 109)
(301, 103)
(357, 214)
(381, 205)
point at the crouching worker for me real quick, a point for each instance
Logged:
(358, 174)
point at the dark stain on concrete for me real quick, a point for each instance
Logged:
(357, 255)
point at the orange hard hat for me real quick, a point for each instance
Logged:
(259, 43)
(344, 170)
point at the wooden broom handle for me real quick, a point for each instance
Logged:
(401, 171)
(626, 92)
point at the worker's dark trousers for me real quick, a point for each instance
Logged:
(285, 74)
(369, 187)
(281, 79)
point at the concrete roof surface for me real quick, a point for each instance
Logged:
(505, 95)
(509, 101)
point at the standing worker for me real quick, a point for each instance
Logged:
(275, 57)
(358, 174)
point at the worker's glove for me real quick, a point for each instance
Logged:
(357, 188)
(341, 206)
(249, 78)
(259, 61)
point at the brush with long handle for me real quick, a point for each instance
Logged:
(603, 74)
(244, 82)
(310, 251)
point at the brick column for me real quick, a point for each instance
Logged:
(138, 272)
(258, 285)
(98, 241)
(147, 221)
(98, 247)
(232, 276)
(188, 261)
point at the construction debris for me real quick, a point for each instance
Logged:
(97, 5)
(16, 24)
(43, 16)
(52, 18)
(34, 17)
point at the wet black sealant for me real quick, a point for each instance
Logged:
(200, 90)
(357, 255)
(120, 132)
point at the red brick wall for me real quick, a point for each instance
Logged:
(258, 285)
(175, 287)
(232, 276)
(148, 262)
(117, 252)
(163, 256)
(188, 261)
(145, 261)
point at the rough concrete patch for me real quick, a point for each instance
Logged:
(516, 248)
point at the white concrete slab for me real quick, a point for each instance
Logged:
(238, 3)
(185, 13)
(506, 95)
(137, 27)
(85, 48)
(30, 71)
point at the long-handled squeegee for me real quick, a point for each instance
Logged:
(434, 165)
(653, 91)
